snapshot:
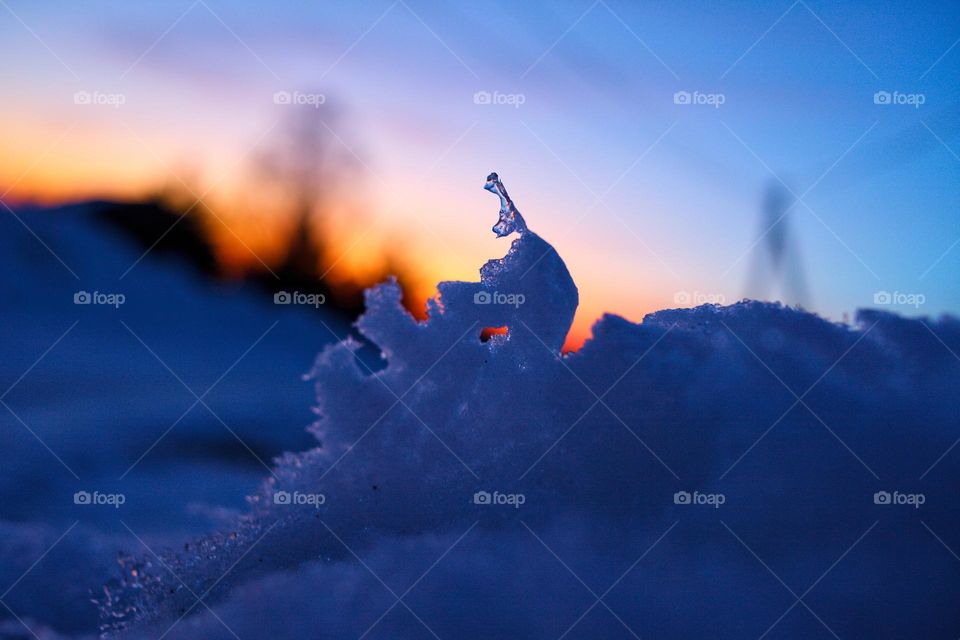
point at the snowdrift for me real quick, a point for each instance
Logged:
(749, 470)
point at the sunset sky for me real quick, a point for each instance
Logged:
(643, 197)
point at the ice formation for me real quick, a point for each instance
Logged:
(407, 519)
(510, 219)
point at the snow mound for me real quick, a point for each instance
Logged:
(688, 476)
(85, 406)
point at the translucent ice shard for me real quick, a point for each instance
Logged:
(510, 218)
(529, 291)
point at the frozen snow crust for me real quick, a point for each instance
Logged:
(499, 489)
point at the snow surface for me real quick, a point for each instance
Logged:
(100, 400)
(587, 453)
(797, 422)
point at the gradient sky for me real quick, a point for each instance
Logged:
(644, 198)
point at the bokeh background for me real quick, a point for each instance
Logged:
(198, 157)
(375, 123)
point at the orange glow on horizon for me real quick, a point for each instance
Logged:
(250, 230)
(575, 338)
(257, 239)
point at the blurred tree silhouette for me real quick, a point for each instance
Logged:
(297, 195)
(307, 171)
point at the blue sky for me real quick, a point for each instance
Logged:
(644, 198)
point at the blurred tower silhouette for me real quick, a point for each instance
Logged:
(777, 264)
